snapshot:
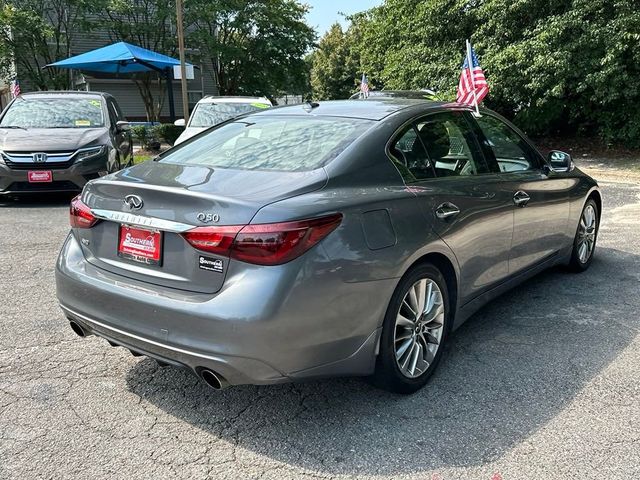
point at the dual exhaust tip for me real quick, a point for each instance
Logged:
(211, 378)
(77, 329)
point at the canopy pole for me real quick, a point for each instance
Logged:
(183, 73)
(172, 107)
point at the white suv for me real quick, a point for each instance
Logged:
(211, 111)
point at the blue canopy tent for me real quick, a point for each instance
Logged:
(123, 58)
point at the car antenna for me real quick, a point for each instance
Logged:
(309, 106)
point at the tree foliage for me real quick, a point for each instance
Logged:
(147, 24)
(256, 47)
(334, 66)
(34, 33)
(554, 66)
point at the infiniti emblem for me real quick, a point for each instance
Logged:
(134, 202)
(39, 157)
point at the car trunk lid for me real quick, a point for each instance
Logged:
(170, 199)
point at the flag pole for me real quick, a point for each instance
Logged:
(473, 84)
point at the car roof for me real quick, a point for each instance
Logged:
(416, 94)
(64, 93)
(211, 99)
(372, 109)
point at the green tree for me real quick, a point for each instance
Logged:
(554, 66)
(34, 33)
(148, 24)
(565, 66)
(412, 44)
(335, 70)
(256, 47)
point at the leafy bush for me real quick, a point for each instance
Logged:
(141, 134)
(167, 132)
(148, 137)
(553, 66)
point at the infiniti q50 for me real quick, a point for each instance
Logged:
(331, 238)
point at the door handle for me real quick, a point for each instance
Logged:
(446, 210)
(521, 198)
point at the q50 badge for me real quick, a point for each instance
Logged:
(211, 264)
(208, 217)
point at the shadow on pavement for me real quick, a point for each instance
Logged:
(37, 200)
(508, 371)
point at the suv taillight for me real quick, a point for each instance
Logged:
(263, 244)
(80, 215)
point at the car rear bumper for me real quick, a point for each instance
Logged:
(72, 179)
(266, 325)
(232, 369)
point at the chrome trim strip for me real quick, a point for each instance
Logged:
(141, 221)
(29, 155)
(91, 321)
(27, 158)
(54, 157)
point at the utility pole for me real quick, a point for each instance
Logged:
(183, 68)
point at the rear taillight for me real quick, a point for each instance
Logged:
(276, 243)
(213, 239)
(264, 244)
(80, 215)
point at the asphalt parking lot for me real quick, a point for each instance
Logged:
(543, 383)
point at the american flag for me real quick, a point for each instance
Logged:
(15, 88)
(473, 86)
(364, 86)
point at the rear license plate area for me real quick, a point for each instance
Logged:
(140, 245)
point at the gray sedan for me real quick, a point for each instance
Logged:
(331, 238)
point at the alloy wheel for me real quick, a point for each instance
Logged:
(587, 233)
(419, 327)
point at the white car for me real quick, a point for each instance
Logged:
(212, 111)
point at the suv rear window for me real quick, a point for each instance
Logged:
(210, 114)
(285, 143)
(30, 112)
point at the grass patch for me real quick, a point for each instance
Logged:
(141, 158)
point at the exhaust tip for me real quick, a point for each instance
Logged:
(77, 329)
(214, 380)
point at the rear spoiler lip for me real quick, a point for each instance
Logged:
(151, 186)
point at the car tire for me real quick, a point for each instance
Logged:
(584, 243)
(426, 332)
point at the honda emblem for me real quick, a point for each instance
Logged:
(39, 157)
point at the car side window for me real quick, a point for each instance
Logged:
(502, 144)
(450, 144)
(114, 111)
(409, 156)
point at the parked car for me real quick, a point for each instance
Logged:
(211, 111)
(57, 141)
(333, 238)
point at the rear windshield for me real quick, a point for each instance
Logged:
(210, 114)
(282, 143)
(54, 113)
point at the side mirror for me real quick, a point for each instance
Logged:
(180, 122)
(560, 161)
(123, 126)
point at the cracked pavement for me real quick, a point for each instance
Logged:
(544, 382)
